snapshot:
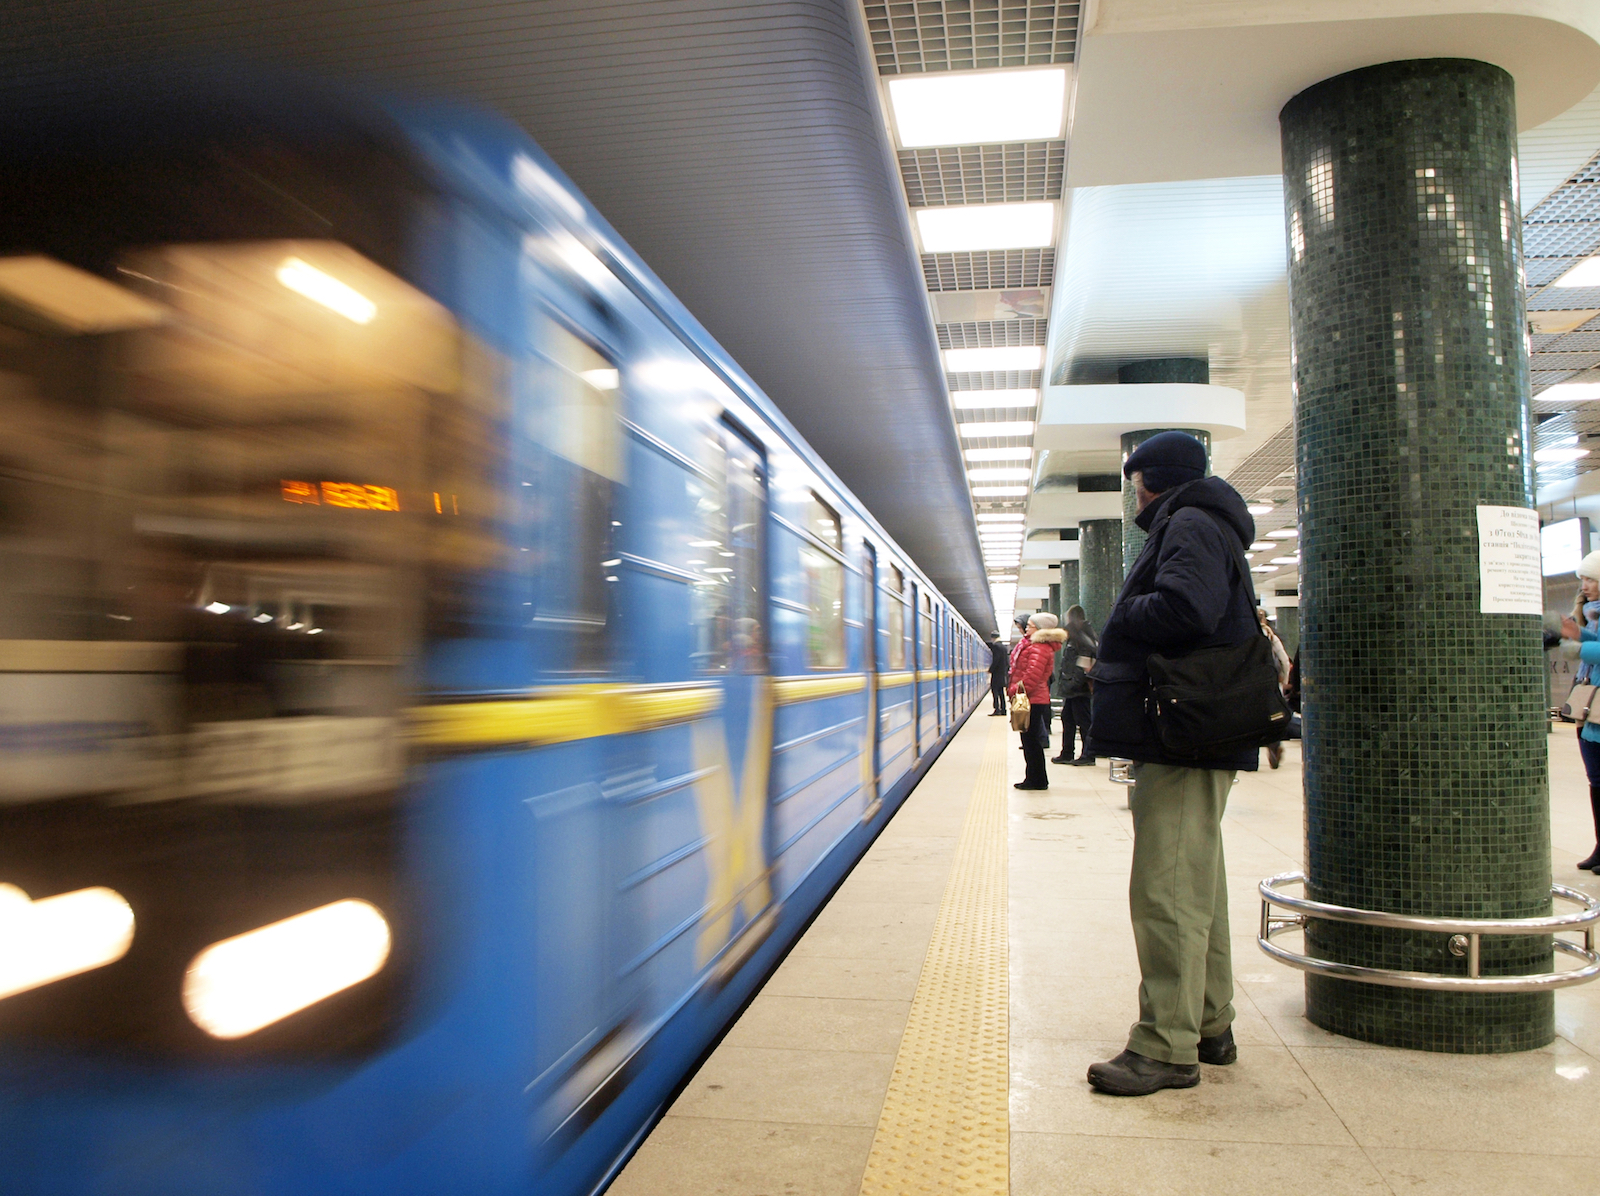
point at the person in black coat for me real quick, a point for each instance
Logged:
(999, 668)
(1073, 687)
(1187, 590)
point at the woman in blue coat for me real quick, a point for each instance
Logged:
(1583, 627)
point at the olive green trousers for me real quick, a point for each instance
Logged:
(1178, 899)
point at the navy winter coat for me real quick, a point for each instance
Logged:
(1184, 592)
(1000, 659)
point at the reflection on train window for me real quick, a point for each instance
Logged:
(213, 495)
(577, 423)
(895, 619)
(729, 628)
(824, 575)
(925, 653)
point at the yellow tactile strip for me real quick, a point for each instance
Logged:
(944, 1126)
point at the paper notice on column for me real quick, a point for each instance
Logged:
(1508, 561)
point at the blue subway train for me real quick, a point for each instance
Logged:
(436, 684)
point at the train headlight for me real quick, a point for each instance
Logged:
(56, 937)
(240, 985)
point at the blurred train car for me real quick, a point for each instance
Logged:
(436, 685)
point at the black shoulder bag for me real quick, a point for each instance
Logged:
(1215, 700)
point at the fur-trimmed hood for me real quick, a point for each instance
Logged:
(1049, 635)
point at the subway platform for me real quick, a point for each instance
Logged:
(931, 1030)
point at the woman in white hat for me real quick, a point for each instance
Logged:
(1583, 625)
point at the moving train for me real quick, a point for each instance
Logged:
(436, 684)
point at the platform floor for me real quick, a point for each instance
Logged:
(789, 1104)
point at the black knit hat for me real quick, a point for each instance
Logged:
(1166, 460)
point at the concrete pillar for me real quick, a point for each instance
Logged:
(1166, 369)
(1425, 736)
(1099, 568)
(1069, 587)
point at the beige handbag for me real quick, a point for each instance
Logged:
(1580, 705)
(1021, 711)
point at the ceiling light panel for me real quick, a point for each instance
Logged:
(978, 107)
(1568, 392)
(983, 400)
(1010, 357)
(1585, 274)
(999, 454)
(999, 491)
(1002, 474)
(980, 227)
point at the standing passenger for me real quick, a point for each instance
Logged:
(999, 667)
(1281, 662)
(1584, 626)
(1186, 591)
(1073, 687)
(1030, 673)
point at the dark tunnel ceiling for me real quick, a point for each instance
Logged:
(735, 145)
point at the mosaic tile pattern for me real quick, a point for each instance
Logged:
(1099, 568)
(1133, 536)
(1425, 785)
(1070, 590)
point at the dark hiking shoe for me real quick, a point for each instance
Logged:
(1591, 862)
(1220, 1049)
(1064, 760)
(1025, 785)
(1083, 762)
(1131, 1074)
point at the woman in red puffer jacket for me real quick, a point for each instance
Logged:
(1031, 669)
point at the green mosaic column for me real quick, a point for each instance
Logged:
(1133, 536)
(1069, 587)
(1424, 725)
(1099, 568)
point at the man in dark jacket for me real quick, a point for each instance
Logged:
(999, 666)
(1184, 592)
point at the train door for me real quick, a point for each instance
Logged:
(869, 664)
(917, 663)
(741, 849)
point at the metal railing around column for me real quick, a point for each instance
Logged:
(1466, 935)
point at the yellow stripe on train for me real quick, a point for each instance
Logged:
(563, 715)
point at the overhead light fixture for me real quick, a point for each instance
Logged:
(1002, 577)
(1284, 533)
(1285, 560)
(1262, 546)
(976, 228)
(1001, 516)
(74, 300)
(999, 454)
(979, 400)
(239, 985)
(1006, 357)
(1585, 274)
(999, 492)
(56, 937)
(218, 608)
(305, 279)
(1557, 456)
(1019, 427)
(1263, 568)
(1570, 392)
(999, 475)
(1261, 508)
(978, 107)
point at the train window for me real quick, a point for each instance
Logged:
(577, 420)
(824, 576)
(925, 654)
(730, 614)
(895, 619)
(214, 499)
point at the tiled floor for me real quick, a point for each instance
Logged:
(787, 1105)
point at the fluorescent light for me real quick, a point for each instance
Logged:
(1002, 577)
(974, 228)
(239, 985)
(602, 379)
(218, 608)
(1284, 533)
(1263, 568)
(1261, 546)
(1285, 560)
(999, 475)
(1261, 508)
(999, 454)
(1585, 274)
(305, 279)
(977, 400)
(1564, 392)
(1009, 357)
(1020, 427)
(56, 937)
(999, 491)
(998, 517)
(263, 617)
(978, 107)
(1556, 456)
